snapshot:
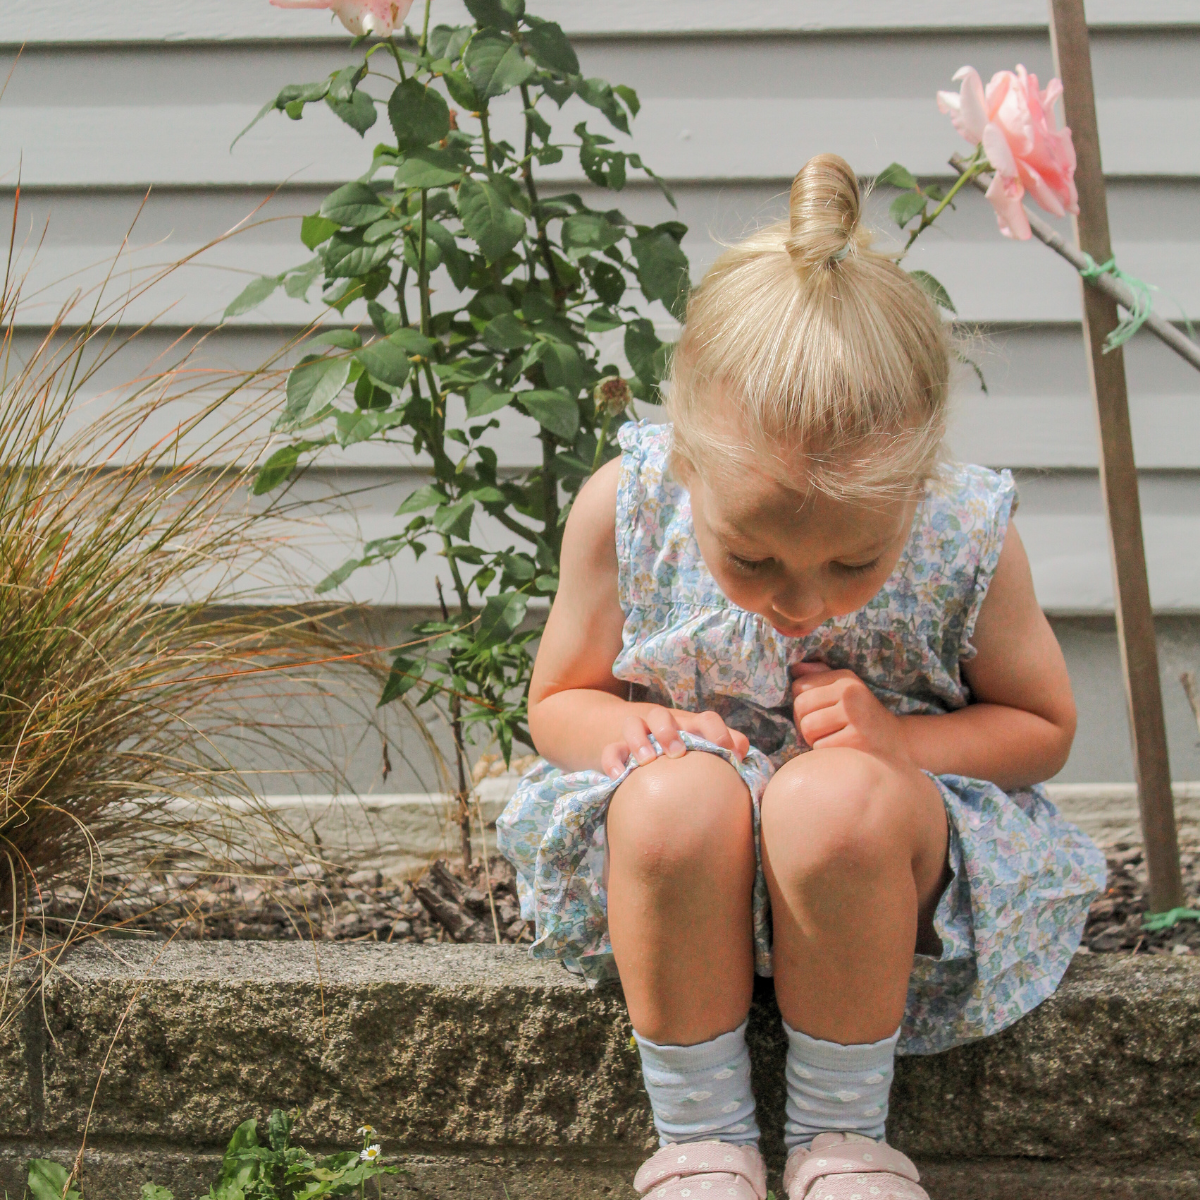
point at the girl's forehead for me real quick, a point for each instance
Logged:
(752, 507)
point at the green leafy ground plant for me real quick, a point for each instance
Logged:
(252, 1170)
(525, 281)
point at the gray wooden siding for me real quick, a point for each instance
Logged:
(112, 99)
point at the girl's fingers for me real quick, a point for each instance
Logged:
(741, 744)
(710, 726)
(666, 732)
(637, 737)
(821, 724)
(813, 700)
(613, 758)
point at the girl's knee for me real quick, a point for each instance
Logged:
(674, 814)
(834, 813)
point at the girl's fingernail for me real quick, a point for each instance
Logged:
(676, 749)
(645, 755)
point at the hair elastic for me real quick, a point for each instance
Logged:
(838, 255)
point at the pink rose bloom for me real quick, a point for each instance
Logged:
(378, 17)
(1015, 122)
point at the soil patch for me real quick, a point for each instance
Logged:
(456, 904)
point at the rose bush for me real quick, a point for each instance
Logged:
(450, 209)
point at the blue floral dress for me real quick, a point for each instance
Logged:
(1013, 915)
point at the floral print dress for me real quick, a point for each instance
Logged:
(1011, 918)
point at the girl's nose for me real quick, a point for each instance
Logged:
(798, 610)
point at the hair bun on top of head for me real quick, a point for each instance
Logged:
(825, 209)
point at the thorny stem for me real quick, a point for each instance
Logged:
(531, 190)
(422, 266)
(464, 794)
(976, 164)
(425, 27)
(600, 442)
(487, 138)
(549, 489)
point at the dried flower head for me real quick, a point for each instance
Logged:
(612, 396)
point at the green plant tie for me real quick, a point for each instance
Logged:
(1168, 920)
(1143, 303)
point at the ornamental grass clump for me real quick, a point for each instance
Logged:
(121, 679)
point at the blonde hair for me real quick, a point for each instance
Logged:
(823, 347)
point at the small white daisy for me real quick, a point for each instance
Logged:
(371, 1153)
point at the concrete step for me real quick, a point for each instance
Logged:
(488, 1071)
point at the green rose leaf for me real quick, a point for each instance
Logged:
(906, 206)
(662, 270)
(252, 295)
(563, 367)
(406, 673)
(936, 292)
(353, 204)
(495, 64)
(385, 360)
(343, 339)
(428, 169)
(423, 498)
(454, 519)
(314, 384)
(496, 13)
(554, 411)
(505, 332)
(484, 398)
(346, 257)
(551, 49)
(588, 233)
(642, 346)
(502, 615)
(317, 229)
(895, 175)
(489, 221)
(358, 426)
(277, 469)
(599, 94)
(418, 114)
(358, 112)
(609, 282)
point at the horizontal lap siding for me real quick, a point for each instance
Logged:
(101, 108)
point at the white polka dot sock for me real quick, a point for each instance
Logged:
(836, 1089)
(701, 1093)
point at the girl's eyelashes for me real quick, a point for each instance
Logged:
(859, 568)
(748, 566)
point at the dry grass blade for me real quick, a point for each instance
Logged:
(124, 530)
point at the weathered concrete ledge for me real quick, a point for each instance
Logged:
(485, 1066)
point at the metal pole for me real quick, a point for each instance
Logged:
(1118, 474)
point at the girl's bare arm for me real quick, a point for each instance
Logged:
(1019, 728)
(1021, 722)
(577, 712)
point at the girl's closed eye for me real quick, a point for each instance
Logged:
(858, 568)
(748, 566)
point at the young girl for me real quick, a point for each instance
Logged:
(794, 697)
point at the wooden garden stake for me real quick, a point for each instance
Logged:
(1118, 474)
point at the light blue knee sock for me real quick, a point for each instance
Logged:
(836, 1089)
(701, 1093)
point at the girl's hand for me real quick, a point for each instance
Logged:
(666, 724)
(835, 708)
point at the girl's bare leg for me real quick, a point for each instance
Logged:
(680, 874)
(854, 851)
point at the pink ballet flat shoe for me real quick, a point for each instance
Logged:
(847, 1166)
(703, 1171)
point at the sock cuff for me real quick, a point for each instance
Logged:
(833, 1056)
(724, 1048)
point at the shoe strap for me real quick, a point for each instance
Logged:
(846, 1158)
(682, 1159)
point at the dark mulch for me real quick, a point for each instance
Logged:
(445, 904)
(1115, 922)
(449, 903)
